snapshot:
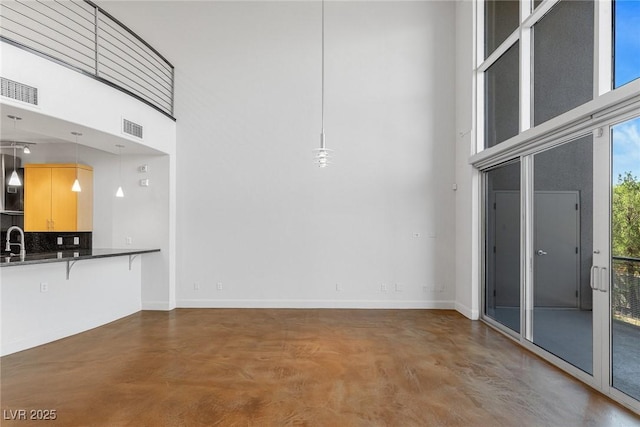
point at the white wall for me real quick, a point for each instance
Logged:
(254, 214)
(467, 255)
(97, 292)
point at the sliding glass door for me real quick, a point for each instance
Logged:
(562, 305)
(562, 254)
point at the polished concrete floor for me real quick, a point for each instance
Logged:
(568, 333)
(227, 367)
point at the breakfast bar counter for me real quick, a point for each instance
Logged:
(69, 256)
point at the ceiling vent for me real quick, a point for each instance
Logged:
(19, 92)
(131, 128)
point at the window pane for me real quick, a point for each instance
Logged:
(625, 263)
(502, 99)
(563, 59)
(627, 41)
(500, 20)
(502, 280)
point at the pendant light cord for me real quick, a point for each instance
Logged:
(14, 143)
(323, 70)
(76, 157)
(120, 164)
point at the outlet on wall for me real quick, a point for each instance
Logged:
(398, 287)
(196, 286)
(44, 286)
(219, 286)
(128, 240)
(338, 287)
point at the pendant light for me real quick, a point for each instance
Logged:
(14, 180)
(119, 192)
(323, 155)
(76, 184)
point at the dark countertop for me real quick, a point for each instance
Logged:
(69, 255)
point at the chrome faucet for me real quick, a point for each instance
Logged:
(21, 244)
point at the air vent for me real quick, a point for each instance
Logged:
(131, 128)
(19, 91)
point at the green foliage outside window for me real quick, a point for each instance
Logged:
(626, 243)
(626, 217)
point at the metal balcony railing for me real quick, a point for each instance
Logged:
(82, 36)
(625, 296)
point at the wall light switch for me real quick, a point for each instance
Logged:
(76, 240)
(144, 183)
(59, 240)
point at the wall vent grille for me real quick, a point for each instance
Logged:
(131, 128)
(19, 91)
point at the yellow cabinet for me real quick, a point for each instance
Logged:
(49, 203)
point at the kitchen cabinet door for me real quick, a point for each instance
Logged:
(64, 202)
(37, 199)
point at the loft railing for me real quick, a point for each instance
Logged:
(625, 297)
(81, 35)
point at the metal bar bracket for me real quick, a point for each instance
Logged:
(131, 258)
(70, 264)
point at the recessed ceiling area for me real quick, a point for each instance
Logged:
(42, 129)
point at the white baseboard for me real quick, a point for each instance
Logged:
(467, 312)
(360, 304)
(156, 306)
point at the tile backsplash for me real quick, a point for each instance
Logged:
(57, 241)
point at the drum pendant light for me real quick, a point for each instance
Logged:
(323, 154)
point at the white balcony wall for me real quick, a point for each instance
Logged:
(68, 95)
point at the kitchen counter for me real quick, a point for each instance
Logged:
(69, 256)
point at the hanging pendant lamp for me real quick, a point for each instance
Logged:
(14, 179)
(323, 155)
(119, 192)
(76, 184)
